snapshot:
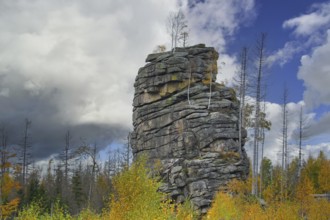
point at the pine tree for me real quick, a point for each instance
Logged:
(79, 196)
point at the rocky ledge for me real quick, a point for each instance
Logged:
(188, 124)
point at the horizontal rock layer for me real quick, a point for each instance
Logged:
(188, 123)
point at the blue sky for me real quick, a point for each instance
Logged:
(281, 21)
(270, 17)
(71, 65)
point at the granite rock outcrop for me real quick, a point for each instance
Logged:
(188, 124)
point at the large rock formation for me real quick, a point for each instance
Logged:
(188, 123)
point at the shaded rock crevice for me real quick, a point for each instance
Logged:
(188, 123)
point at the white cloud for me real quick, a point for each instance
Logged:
(273, 141)
(315, 71)
(227, 68)
(284, 55)
(307, 24)
(311, 27)
(216, 29)
(4, 92)
(313, 150)
(321, 126)
(212, 21)
(72, 63)
(314, 30)
(90, 52)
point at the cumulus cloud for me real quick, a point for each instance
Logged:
(71, 64)
(213, 21)
(273, 140)
(312, 31)
(215, 24)
(320, 126)
(307, 24)
(273, 143)
(314, 70)
(314, 150)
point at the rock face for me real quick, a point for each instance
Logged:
(188, 124)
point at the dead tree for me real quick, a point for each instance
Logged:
(184, 38)
(284, 160)
(176, 27)
(89, 152)
(3, 150)
(265, 125)
(260, 47)
(25, 150)
(128, 152)
(67, 156)
(242, 92)
(300, 135)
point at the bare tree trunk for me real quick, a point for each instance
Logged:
(128, 150)
(260, 49)
(301, 135)
(25, 149)
(284, 141)
(300, 139)
(66, 158)
(262, 153)
(176, 27)
(3, 150)
(242, 91)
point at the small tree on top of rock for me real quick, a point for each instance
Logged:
(177, 28)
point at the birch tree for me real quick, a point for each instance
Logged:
(177, 28)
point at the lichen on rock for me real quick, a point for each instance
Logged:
(189, 123)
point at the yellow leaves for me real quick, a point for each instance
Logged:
(8, 186)
(136, 195)
(304, 189)
(9, 208)
(240, 187)
(244, 206)
(185, 211)
(317, 171)
(319, 209)
(8, 189)
(30, 213)
(235, 207)
(252, 211)
(282, 211)
(324, 177)
(223, 207)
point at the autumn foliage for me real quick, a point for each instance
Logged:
(135, 195)
(9, 200)
(297, 202)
